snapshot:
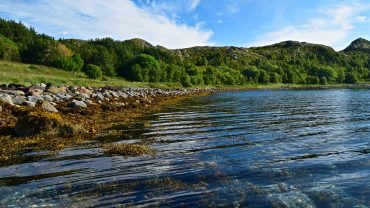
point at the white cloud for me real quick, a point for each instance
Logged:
(119, 19)
(331, 29)
(194, 4)
(232, 7)
(362, 19)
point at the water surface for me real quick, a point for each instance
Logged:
(232, 149)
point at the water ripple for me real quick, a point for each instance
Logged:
(237, 149)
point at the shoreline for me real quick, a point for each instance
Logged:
(52, 118)
(48, 117)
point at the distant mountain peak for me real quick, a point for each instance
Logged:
(359, 44)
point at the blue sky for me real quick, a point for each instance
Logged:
(186, 23)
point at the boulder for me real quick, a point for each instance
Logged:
(89, 102)
(48, 98)
(7, 99)
(84, 90)
(35, 98)
(41, 85)
(48, 107)
(35, 91)
(29, 104)
(294, 199)
(78, 104)
(100, 96)
(120, 105)
(56, 90)
(18, 100)
(107, 94)
(14, 92)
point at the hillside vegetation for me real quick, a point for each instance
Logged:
(106, 60)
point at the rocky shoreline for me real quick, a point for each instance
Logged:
(51, 116)
(46, 99)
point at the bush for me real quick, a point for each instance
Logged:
(323, 81)
(93, 71)
(312, 80)
(185, 80)
(8, 50)
(350, 79)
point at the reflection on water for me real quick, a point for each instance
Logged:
(237, 149)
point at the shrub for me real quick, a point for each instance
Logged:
(350, 78)
(93, 71)
(8, 50)
(323, 81)
(185, 80)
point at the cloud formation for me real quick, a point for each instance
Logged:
(119, 19)
(331, 29)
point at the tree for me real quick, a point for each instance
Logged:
(275, 78)
(252, 73)
(350, 78)
(8, 49)
(185, 80)
(104, 59)
(143, 68)
(93, 71)
(263, 77)
(74, 63)
(312, 80)
(323, 81)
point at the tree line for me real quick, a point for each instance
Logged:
(136, 60)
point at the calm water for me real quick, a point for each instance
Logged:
(238, 149)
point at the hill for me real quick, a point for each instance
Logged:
(288, 62)
(359, 44)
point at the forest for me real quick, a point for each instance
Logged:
(136, 60)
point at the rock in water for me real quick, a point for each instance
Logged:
(78, 104)
(293, 199)
(48, 107)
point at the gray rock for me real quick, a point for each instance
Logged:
(63, 96)
(29, 104)
(107, 95)
(84, 95)
(294, 199)
(18, 100)
(100, 96)
(14, 92)
(35, 98)
(1, 108)
(78, 104)
(35, 91)
(56, 90)
(121, 105)
(48, 107)
(114, 94)
(41, 85)
(7, 99)
(89, 102)
(48, 98)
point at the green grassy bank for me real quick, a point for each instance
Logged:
(27, 74)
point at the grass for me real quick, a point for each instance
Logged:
(28, 74)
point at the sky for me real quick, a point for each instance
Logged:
(187, 23)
